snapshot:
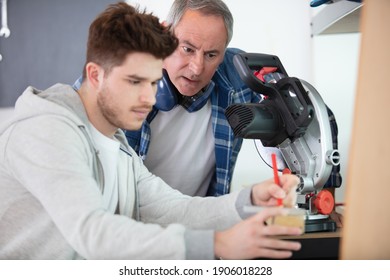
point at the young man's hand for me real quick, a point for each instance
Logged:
(252, 238)
(267, 193)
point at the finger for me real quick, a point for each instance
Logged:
(280, 244)
(290, 187)
(276, 191)
(273, 254)
(278, 230)
(276, 249)
(291, 199)
(268, 212)
(289, 182)
(287, 189)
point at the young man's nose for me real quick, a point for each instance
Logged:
(148, 95)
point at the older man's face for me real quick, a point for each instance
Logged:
(202, 44)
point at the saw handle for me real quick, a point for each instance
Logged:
(245, 63)
(287, 96)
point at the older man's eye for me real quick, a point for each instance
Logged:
(187, 49)
(210, 55)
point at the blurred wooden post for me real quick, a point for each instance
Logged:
(366, 232)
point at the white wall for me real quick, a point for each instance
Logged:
(328, 62)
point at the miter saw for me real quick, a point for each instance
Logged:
(292, 122)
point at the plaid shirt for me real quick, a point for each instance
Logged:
(228, 89)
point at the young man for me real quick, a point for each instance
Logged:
(192, 136)
(71, 187)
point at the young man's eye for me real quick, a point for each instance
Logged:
(134, 82)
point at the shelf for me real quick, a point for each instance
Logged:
(339, 17)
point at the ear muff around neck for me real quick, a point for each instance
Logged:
(168, 96)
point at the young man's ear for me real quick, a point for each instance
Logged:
(94, 74)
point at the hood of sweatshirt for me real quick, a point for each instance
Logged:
(59, 99)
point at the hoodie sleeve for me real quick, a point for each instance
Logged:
(159, 203)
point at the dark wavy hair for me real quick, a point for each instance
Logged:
(122, 29)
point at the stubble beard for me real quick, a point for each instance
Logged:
(108, 110)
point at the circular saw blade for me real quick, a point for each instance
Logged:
(266, 155)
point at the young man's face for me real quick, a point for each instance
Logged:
(202, 43)
(128, 92)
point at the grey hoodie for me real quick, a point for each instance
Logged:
(51, 203)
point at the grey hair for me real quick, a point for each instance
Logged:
(207, 7)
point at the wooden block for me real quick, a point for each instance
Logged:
(294, 218)
(289, 221)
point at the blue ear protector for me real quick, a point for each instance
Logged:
(168, 96)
